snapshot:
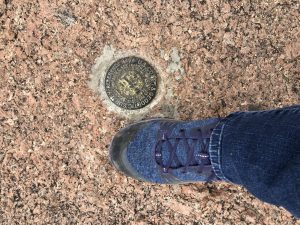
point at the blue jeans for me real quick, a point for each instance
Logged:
(260, 150)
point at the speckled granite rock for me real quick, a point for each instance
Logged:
(54, 130)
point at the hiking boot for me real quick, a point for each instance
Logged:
(165, 151)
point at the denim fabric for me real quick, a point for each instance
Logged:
(140, 152)
(260, 150)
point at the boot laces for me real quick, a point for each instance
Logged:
(194, 158)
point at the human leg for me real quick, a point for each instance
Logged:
(261, 151)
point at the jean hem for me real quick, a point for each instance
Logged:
(215, 148)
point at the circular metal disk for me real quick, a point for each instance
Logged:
(131, 83)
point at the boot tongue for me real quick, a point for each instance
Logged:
(185, 147)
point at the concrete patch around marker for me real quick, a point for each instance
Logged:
(97, 82)
(175, 63)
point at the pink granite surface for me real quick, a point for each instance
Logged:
(55, 131)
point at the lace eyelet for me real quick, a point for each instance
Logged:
(158, 154)
(181, 130)
(202, 155)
